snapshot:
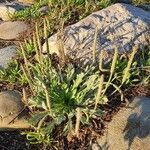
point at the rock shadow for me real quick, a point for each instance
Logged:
(138, 124)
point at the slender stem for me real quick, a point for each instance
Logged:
(48, 101)
(78, 118)
(100, 88)
(94, 45)
(126, 70)
(40, 123)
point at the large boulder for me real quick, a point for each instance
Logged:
(11, 30)
(130, 128)
(11, 111)
(120, 25)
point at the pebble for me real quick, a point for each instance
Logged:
(10, 106)
(8, 9)
(11, 30)
(6, 55)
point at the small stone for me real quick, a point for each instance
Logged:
(6, 55)
(10, 103)
(6, 12)
(11, 30)
(44, 10)
(11, 107)
(130, 128)
(8, 9)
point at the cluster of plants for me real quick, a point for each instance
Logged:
(68, 9)
(66, 94)
(140, 2)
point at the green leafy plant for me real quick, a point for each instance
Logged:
(69, 9)
(12, 74)
(65, 93)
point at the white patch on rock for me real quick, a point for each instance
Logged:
(120, 25)
(129, 128)
(6, 55)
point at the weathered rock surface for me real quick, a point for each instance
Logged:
(8, 9)
(130, 128)
(6, 55)
(11, 30)
(120, 25)
(10, 107)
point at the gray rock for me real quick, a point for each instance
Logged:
(8, 9)
(120, 25)
(130, 128)
(11, 30)
(10, 103)
(44, 10)
(11, 107)
(6, 55)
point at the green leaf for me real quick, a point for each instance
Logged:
(37, 117)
